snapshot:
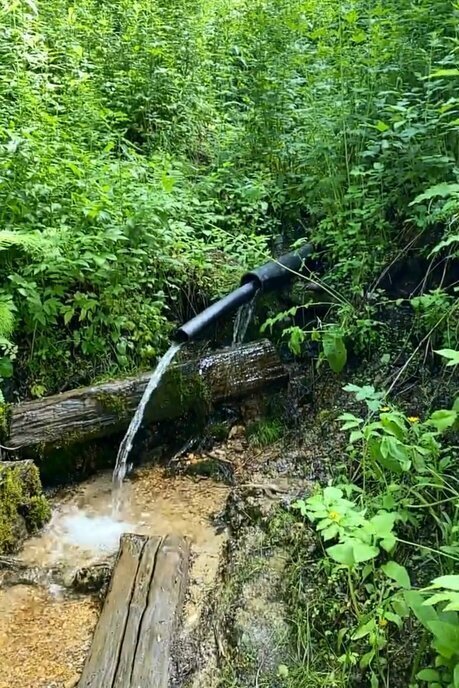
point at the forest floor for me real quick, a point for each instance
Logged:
(241, 626)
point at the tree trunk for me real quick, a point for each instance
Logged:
(92, 412)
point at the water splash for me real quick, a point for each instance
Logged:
(242, 321)
(126, 445)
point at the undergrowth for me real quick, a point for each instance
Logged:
(373, 593)
(149, 152)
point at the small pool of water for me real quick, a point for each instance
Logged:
(45, 633)
(88, 521)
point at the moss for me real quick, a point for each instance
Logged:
(218, 431)
(178, 394)
(265, 432)
(5, 416)
(114, 403)
(76, 461)
(38, 513)
(23, 508)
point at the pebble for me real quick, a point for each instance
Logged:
(236, 431)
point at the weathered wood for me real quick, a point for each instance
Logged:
(88, 413)
(156, 635)
(134, 636)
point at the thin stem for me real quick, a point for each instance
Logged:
(428, 549)
(352, 593)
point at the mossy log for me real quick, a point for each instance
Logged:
(134, 637)
(23, 507)
(93, 412)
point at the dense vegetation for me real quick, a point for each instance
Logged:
(149, 151)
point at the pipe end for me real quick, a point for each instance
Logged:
(180, 336)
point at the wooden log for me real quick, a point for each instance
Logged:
(92, 412)
(134, 636)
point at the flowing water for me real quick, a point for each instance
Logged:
(45, 630)
(242, 321)
(126, 445)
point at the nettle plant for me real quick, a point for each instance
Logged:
(397, 482)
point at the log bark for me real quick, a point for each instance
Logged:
(134, 637)
(92, 412)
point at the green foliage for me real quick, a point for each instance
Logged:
(265, 432)
(392, 511)
(151, 150)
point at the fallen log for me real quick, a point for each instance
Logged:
(88, 413)
(134, 637)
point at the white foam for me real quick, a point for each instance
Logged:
(91, 533)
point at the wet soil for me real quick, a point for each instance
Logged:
(45, 628)
(44, 637)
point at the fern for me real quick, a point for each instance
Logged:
(29, 241)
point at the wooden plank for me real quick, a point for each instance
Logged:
(101, 664)
(137, 608)
(80, 415)
(156, 633)
(134, 637)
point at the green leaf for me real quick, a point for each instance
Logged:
(331, 494)
(359, 37)
(452, 239)
(394, 454)
(388, 543)
(342, 553)
(364, 552)
(397, 573)
(424, 614)
(282, 671)
(366, 659)
(383, 523)
(450, 582)
(428, 675)
(444, 72)
(330, 532)
(352, 552)
(446, 637)
(442, 190)
(364, 630)
(450, 354)
(394, 618)
(451, 597)
(381, 126)
(443, 419)
(6, 367)
(334, 350)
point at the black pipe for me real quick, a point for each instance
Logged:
(274, 274)
(270, 276)
(229, 303)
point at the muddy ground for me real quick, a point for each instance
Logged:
(228, 493)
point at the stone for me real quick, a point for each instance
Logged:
(236, 431)
(23, 507)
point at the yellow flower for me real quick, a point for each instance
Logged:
(413, 419)
(334, 516)
(382, 623)
(384, 409)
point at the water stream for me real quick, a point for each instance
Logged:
(242, 320)
(45, 629)
(126, 445)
